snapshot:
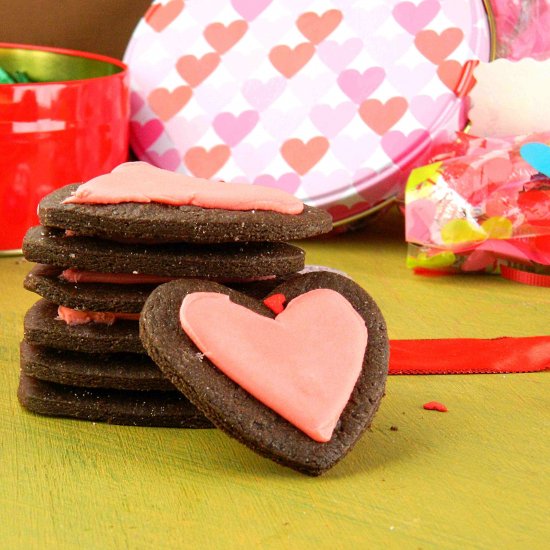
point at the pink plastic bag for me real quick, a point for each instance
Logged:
(522, 28)
(479, 206)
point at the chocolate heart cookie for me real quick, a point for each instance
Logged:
(140, 201)
(46, 245)
(128, 408)
(299, 388)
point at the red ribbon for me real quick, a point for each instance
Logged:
(470, 355)
(525, 277)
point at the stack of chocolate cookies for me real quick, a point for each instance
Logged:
(100, 255)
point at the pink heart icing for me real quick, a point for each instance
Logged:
(142, 183)
(303, 370)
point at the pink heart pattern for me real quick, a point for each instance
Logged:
(250, 9)
(233, 129)
(146, 134)
(339, 56)
(424, 107)
(330, 121)
(280, 123)
(136, 102)
(265, 73)
(412, 79)
(359, 86)
(262, 94)
(169, 160)
(253, 159)
(287, 182)
(413, 18)
(354, 152)
(399, 146)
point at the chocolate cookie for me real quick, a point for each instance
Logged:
(237, 412)
(233, 261)
(167, 223)
(161, 409)
(43, 329)
(45, 280)
(117, 371)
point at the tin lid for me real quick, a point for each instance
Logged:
(332, 101)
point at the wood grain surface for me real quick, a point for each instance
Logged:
(475, 477)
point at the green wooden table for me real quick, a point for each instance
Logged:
(475, 477)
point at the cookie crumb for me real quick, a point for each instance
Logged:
(435, 406)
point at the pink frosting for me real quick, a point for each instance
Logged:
(77, 276)
(303, 364)
(142, 183)
(76, 317)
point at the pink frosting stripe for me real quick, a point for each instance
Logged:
(75, 317)
(77, 276)
(303, 364)
(140, 182)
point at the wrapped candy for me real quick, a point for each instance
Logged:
(480, 206)
(522, 28)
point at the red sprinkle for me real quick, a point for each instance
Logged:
(435, 406)
(275, 303)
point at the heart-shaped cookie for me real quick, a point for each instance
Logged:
(234, 409)
(138, 202)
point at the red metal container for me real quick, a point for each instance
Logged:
(68, 126)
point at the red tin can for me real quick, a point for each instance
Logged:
(68, 126)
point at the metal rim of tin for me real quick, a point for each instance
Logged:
(492, 56)
(88, 60)
(15, 252)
